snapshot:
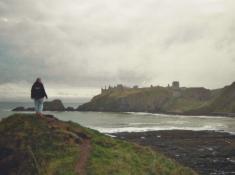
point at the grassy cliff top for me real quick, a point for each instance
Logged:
(223, 103)
(152, 99)
(48, 146)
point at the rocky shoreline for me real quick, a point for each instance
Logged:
(207, 152)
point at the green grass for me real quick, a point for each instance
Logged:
(155, 99)
(32, 146)
(182, 104)
(122, 158)
(224, 101)
(25, 133)
(117, 157)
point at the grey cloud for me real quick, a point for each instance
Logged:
(185, 34)
(93, 43)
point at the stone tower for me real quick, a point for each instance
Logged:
(175, 84)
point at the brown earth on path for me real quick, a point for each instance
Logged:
(84, 155)
(85, 145)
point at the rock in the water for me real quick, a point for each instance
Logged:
(30, 109)
(20, 108)
(70, 108)
(55, 105)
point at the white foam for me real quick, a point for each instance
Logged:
(144, 129)
(175, 115)
(146, 113)
(138, 124)
(7, 110)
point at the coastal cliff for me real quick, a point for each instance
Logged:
(171, 100)
(48, 146)
(224, 103)
(152, 99)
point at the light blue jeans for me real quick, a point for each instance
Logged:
(38, 103)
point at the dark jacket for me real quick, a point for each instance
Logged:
(38, 91)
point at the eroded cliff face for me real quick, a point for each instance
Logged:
(154, 99)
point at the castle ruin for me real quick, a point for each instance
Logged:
(119, 87)
(175, 86)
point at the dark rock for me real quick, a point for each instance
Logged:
(55, 105)
(207, 152)
(19, 109)
(30, 109)
(70, 108)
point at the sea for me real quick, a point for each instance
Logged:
(111, 122)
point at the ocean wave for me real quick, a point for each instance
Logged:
(146, 113)
(139, 124)
(6, 110)
(144, 129)
(175, 115)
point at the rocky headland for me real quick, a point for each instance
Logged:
(170, 100)
(48, 146)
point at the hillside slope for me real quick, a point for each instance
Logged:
(51, 147)
(154, 99)
(223, 103)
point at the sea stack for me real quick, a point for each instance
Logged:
(55, 105)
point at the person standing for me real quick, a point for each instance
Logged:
(37, 94)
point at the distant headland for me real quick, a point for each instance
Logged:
(170, 100)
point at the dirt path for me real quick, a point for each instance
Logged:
(84, 155)
(85, 145)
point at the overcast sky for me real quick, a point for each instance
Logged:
(79, 46)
